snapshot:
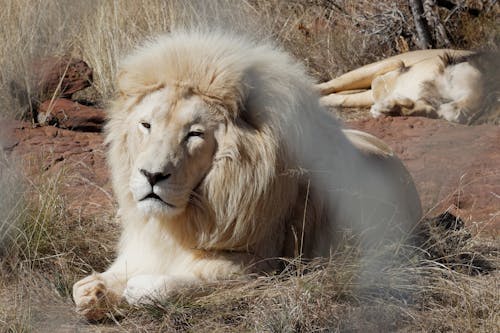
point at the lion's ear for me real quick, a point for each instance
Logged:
(129, 83)
(125, 84)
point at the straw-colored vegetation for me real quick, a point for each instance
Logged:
(450, 284)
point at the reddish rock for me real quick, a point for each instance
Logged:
(64, 113)
(454, 166)
(48, 72)
(76, 158)
(51, 77)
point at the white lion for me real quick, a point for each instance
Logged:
(222, 160)
(439, 83)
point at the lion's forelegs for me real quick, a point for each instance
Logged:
(146, 288)
(355, 100)
(97, 294)
(143, 289)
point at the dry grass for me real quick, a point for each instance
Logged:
(450, 285)
(43, 249)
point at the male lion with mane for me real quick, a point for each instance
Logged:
(222, 160)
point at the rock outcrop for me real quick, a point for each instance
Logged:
(64, 113)
(77, 159)
(61, 76)
(54, 80)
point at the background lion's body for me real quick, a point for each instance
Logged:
(456, 85)
(283, 171)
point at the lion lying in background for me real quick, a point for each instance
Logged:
(448, 84)
(222, 160)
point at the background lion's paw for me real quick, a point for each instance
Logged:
(91, 297)
(378, 110)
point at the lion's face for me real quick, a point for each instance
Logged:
(172, 141)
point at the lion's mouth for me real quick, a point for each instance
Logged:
(155, 196)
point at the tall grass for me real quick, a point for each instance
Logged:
(44, 248)
(30, 31)
(99, 31)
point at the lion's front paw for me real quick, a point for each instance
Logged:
(391, 107)
(92, 297)
(144, 289)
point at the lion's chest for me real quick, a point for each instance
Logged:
(151, 249)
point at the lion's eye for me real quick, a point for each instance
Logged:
(146, 125)
(194, 133)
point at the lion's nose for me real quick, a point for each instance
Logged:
(154, 177)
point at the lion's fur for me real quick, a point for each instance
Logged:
(283, 170)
